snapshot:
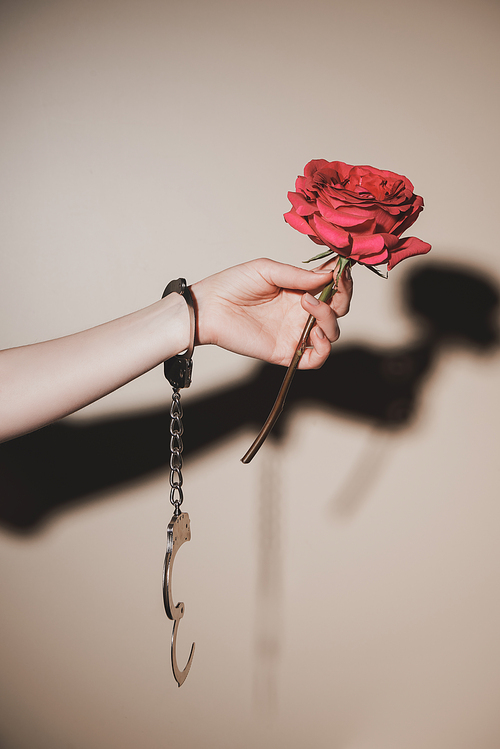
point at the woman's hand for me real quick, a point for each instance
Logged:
(259, 309)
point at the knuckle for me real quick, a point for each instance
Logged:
(318, 364)
(343, 308)
(336, 335)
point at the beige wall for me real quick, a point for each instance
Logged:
(145, 140)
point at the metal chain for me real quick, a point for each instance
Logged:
(176, 447)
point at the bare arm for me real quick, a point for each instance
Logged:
(45, 381)
(257, 309)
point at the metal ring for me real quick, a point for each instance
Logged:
(175, 478)
(175, 461)
(180, 495)
(176, 426)
(176, 445)
(176, 407)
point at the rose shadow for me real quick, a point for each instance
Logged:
(67, 463)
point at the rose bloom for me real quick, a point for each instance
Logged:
(356, 211)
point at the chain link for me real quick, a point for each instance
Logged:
(176, 447)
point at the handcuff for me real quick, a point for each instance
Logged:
(178, 371)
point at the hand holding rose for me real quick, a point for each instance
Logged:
(259, 309)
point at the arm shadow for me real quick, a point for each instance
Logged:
(67, 463)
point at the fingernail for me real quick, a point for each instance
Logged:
(320, 333)
(347, 273)
(311, 299)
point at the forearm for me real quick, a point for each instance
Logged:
(46, 381)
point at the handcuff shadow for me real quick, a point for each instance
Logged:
(69, 463)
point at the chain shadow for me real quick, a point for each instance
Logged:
(67, 463)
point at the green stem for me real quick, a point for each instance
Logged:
(325, 296)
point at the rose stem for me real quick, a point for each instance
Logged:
(271, 420)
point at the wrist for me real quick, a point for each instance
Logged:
(175, 325)
(202, 334)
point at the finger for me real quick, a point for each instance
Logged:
(341, 301)
(315, 357)
(289, 277)
(326, 318)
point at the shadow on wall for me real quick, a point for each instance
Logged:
(64, 463)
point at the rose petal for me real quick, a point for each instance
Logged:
(367, 227)
(409, 219)
(317, 240)
(302, 206)
(341, 168)
(342, 218)
(307, 187)
(407, 247)
(374, 249)
(297, 222)
(377, 258)
(367, 244)
(386, 222)
(331, 235)
(313, 166)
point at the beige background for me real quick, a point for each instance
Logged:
(145, 140)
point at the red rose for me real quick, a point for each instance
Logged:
(357, 211)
